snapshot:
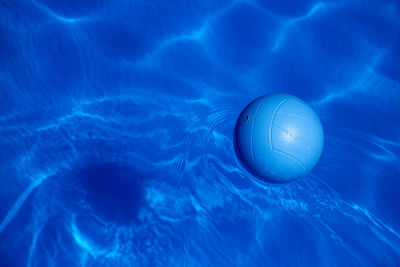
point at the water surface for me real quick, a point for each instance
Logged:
(116, 123)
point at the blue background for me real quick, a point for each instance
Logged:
(116, 123)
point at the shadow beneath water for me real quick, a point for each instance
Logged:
(114, 191)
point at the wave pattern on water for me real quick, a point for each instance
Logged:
(116, 121)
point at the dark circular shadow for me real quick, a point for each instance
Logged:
(112, 190)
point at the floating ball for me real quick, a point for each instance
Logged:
(278, 138)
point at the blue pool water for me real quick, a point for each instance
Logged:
(116, 124)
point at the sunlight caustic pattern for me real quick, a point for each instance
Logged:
(117, 119)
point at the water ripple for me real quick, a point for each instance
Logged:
(118, 151)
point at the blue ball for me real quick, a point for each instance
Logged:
(278, 138)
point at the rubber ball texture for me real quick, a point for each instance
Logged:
(278, 138)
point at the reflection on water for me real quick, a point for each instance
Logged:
(116, 123)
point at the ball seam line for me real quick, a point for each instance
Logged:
(252, 127)
(272, 121)
(292, 157)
